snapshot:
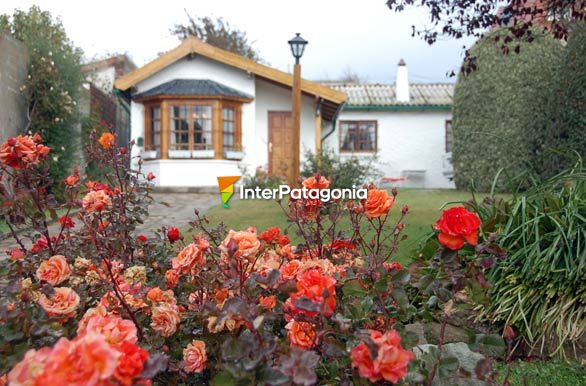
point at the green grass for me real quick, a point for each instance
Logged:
(424, 209)
(539, 373)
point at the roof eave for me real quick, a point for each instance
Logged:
(444, 107)
(193, 45)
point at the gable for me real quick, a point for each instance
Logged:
(192, 45)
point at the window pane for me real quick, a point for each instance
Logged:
(179, 128)
(202, 128)
(229, 128)
(154, 129)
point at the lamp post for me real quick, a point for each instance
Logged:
(297, 45)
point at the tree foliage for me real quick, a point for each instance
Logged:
(53, 83)
(502, 111)
(219, 33)
(520, 19)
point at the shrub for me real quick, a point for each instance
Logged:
(53, 84)
(344, 173)
(539, 288)
(95, 301)
(502, 111)
(564, 137)
(261, 178)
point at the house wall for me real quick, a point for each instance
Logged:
(272, 97)
(267, 97)
(14, 60)
(407, 141)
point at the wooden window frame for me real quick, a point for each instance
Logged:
(166, 117)
(358, 123)
(448, 144)
(148, 140)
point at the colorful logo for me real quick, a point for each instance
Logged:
(227, 188)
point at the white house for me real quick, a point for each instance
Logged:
(408, 126)
(199, 112)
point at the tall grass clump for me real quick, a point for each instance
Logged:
(540, 286)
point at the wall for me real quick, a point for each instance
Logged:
(14, 60)
(407, 141)
(272, 97)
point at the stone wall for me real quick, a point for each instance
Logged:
(14, 60)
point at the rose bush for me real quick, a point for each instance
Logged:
(97, 304)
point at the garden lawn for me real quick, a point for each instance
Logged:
(538, 373)
(424, 209)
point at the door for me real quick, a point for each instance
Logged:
(281, 160)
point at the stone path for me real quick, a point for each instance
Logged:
(168, 209)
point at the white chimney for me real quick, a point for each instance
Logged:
(402, 83)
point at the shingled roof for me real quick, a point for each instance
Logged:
(438, 95)
(193, 87)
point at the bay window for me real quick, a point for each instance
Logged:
(193, 128)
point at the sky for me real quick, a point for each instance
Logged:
(345, 36)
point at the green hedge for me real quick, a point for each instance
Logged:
(568, 123)
(502, 110)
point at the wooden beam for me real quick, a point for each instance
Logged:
(217, 130)
(318, 123)
(165, 130)
(296, 123)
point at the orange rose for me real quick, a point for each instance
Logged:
(62, 304)
(87, 360)
(316, 182)
(171, 278)
(115, 329)
(165, 319)
(107, 140)
(194, 356)
(391, 361)
(71, 180)
(29, 368)
(157, 295)
(246, 241)
(378, 203)
(301, 334)
(268, 302)
(312, 284)
(291, 269)
(190, 257)
(22, 151)
(54, 271)
(96, 201)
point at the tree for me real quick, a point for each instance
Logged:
(53, 83)
(521, 19)
(502, 112)
(218, 33)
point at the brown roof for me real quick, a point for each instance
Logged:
(108, 62)
(193, 45)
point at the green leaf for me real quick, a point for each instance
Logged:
(353, 288)
(223, 378)
(269, 376)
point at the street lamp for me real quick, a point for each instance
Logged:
(297, 45)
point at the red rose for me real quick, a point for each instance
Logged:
(142, 238)
(66, 222)
(151, 176)
(131, 362)
(173, 234)
(270, 236)
(457, 226)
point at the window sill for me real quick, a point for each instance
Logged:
(232, 154)
(191, 154)
(149, 154)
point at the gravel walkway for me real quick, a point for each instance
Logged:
(168, 209)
